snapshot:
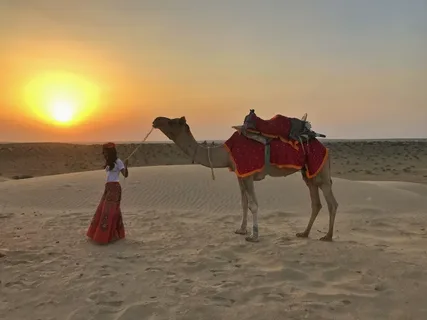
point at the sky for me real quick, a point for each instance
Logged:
(357, 67)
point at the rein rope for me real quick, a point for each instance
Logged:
(139, 145)
(209, 157)
(194, 154)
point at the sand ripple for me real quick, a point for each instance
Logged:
(181, 259)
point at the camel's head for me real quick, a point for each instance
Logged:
(171, 128)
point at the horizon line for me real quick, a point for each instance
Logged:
(199, 141)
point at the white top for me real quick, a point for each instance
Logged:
(114, 175)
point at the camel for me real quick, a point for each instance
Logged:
(179, 132)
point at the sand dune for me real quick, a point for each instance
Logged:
(181, 259)
(356, 160)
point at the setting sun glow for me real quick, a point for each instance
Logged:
(63, 111)
(62, 99)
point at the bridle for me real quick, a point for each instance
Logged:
(193, 160)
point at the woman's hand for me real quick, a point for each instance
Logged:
(125, 171)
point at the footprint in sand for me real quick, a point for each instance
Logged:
(346, 282)
(20, 285)
(264, 293)
(151, 269)
(6, 215)
(288, 274)
(334, 275)
(222, 301)
(188, 280)
(275, 296)
(216, 272)
(227, 284)
(107, 298)
(148, 311)
(286, 241)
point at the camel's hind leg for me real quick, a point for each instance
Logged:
(324, 182)
(332, 207)
(316, 205)
(242, 230)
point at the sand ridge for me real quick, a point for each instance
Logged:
(404, 160)
(181, 259)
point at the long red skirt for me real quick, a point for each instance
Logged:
(107, 223)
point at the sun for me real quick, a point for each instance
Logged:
(61, 99)
(63, 111)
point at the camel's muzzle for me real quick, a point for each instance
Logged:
(159, 122)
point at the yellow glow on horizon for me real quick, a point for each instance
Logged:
(63, 99)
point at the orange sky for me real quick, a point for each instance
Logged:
(359, 70)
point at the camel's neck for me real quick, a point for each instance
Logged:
(218, 156)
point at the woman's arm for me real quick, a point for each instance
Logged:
(125, 171)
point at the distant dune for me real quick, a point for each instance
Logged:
(361, 160)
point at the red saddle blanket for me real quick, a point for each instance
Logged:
(249, 155)
(277, 127)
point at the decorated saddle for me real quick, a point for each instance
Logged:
(287, 129)
(281, 141)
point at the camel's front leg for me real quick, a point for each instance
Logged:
(253, 206)
(242, 230)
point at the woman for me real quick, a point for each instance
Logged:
(107, 223)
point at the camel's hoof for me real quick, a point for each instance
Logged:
(241, 232)
(326, 238)
(252, 239)
(302, 235)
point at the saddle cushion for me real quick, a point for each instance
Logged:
(277, 126)
(281, 127)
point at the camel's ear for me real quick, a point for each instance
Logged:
(182, 121)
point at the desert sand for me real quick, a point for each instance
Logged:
(181, 258)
